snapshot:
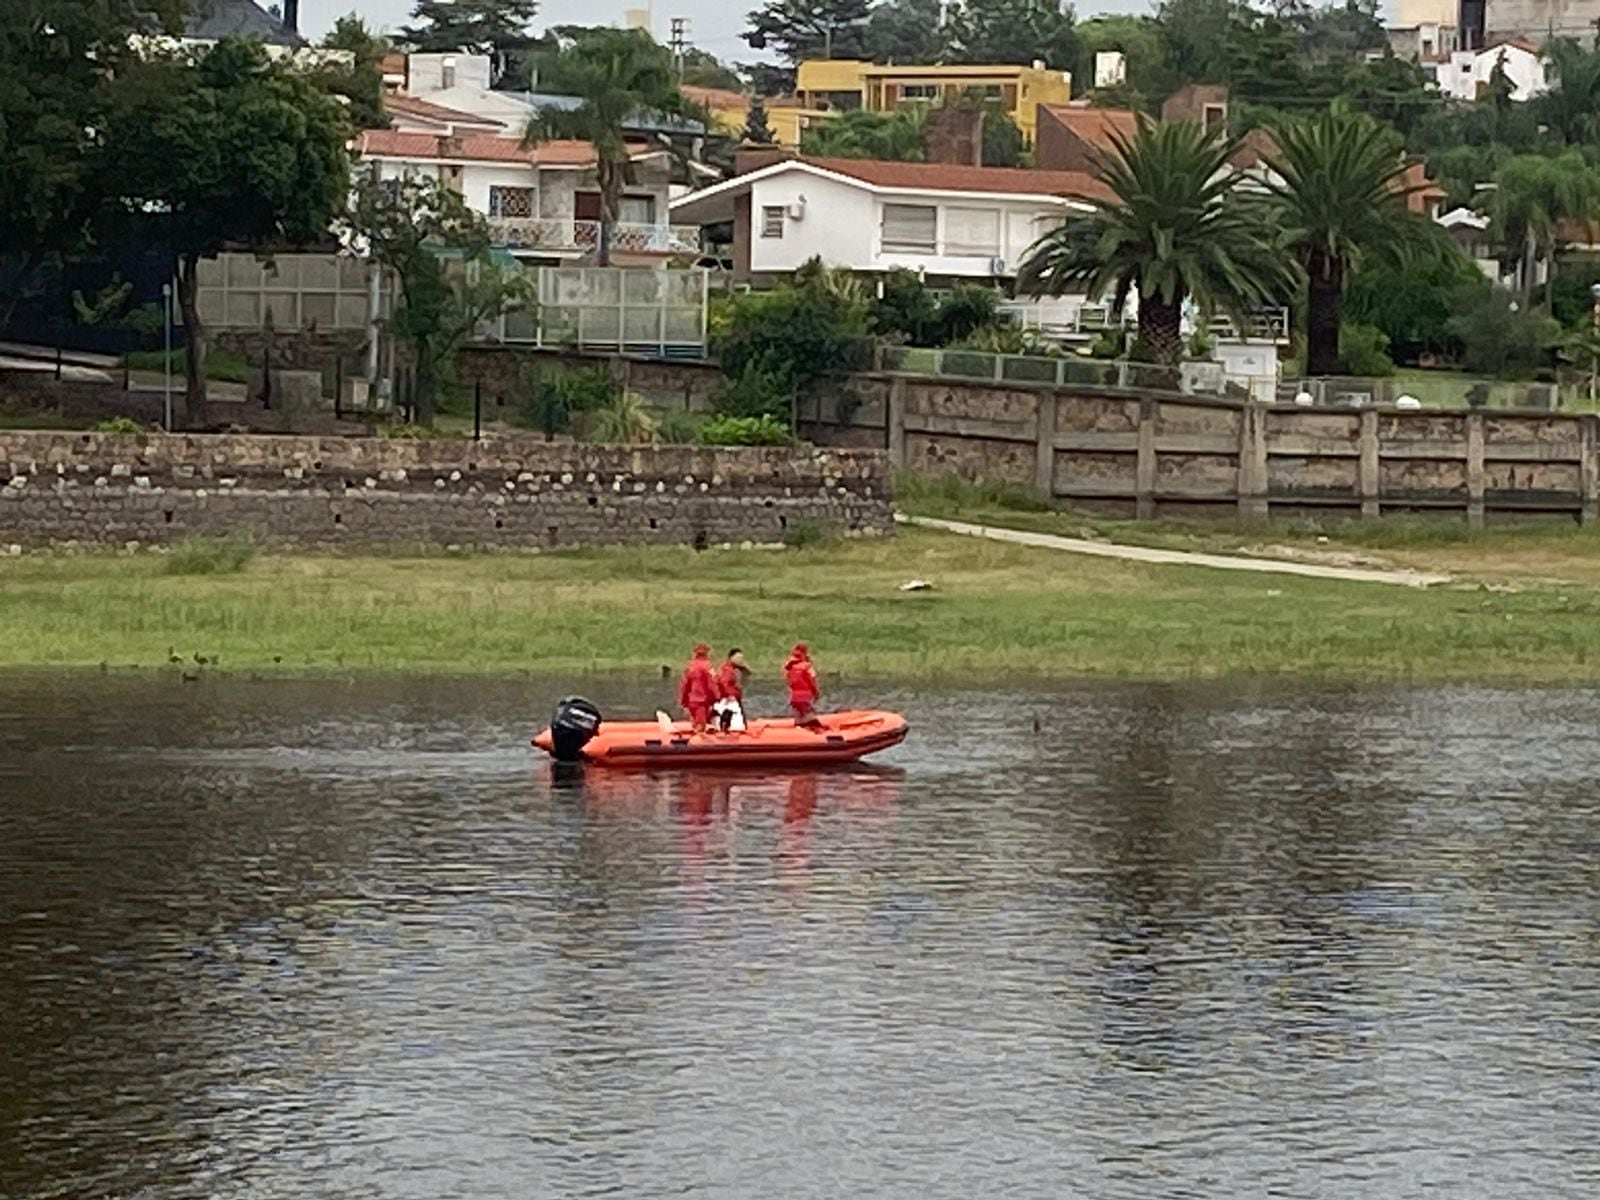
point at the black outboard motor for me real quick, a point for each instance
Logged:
(574, 723)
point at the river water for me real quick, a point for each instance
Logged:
(310, 939)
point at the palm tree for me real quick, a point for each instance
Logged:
(618, 76)
(1339, 194)
(1173, 228)
(1533, 194)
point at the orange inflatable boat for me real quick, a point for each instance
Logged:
(578, 733)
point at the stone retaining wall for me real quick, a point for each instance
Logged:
(301, 491)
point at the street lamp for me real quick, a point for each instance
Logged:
(166, 361)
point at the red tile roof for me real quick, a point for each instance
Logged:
(950, 178)
(413, 106)
(715, 98)
(1096, 126)
(390, 143)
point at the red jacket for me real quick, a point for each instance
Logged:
(699, 685)
(802, 679)
(730, 682)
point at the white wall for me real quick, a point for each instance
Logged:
(1461, 75)
(843, 226)
(840, 224)
(477, 180)
(426, 73)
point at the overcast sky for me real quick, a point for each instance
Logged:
(714, 25)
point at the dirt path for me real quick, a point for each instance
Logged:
(1179, 558)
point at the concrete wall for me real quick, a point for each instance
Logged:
(348, 492)
(1150, 454)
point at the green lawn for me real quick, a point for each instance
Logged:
(993, 611)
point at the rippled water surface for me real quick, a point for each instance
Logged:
(298, 939)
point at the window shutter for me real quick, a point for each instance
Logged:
(974, 231)
(909, 227)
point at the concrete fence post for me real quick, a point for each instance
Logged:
(895, 420)
(1044, 462)
(1475, 472)
(1588, 469)
(1253, 505)
(1367, 478)
(1144, 468)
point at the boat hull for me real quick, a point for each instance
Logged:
(840, 738)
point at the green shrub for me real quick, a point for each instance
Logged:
(678, 428)
(1500, 337)
(1364, 351)
(797, 333)
(755, 392)
(804, 535)
(946, 492)
(625, 420)
(553, 396)
(209, 556)
(119, 425)
(745, 431)
(965, 309)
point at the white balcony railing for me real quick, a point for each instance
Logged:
(561, 234)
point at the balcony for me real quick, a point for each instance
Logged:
(562, 235)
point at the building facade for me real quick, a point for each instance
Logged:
(840, 85)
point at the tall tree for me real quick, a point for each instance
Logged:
(905, 31)
(1013, 31)
(1174, 228)
(616, 74)
(701, 68)
(756, 130)
(1339, 196)
(57, 58)
(887, 137)
(231, 149)
(477, 26)
(1533, 195)
(802, 29)
(361, 82)
(437, 250)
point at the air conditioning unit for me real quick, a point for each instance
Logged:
(997, 266)
(797, 209)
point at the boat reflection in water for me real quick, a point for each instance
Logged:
(718, 817)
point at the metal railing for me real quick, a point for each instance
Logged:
(1198, 378)
(1416, 390)
(1089, 320)
(288, 291)
(637, 310)
(564, 234)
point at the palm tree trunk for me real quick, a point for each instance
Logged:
(1324, 302)
(1161, 329)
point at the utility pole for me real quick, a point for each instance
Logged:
(675, 42)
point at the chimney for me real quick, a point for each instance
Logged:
(291, 15)
(954, 136)
(752, 156)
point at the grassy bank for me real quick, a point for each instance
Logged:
(994, 610)
(1547, 551)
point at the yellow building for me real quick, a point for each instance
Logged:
(841, 84)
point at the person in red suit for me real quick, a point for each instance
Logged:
(698, 691)
(730, 690)
(803, 691)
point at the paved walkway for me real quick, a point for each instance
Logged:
(1178, 558)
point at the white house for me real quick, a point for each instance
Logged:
(1463, 73)
(944, 222)
(542, 202)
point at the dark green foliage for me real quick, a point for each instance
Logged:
(236, 149)
(887, 137)
(553, 396)
(1012, 31)
(755, 391)
(477, 26)
(703, 69)
(756, 130)
(1499, 337)
(802, 29)
(1003, 145)
(361, 83)
(1364, 351)
(1413, 305)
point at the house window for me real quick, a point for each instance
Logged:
(972, 231)
(772, 220)
(910, 227)
(638, 210)
(919, 91)
(1215, 117)
(511, 202)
